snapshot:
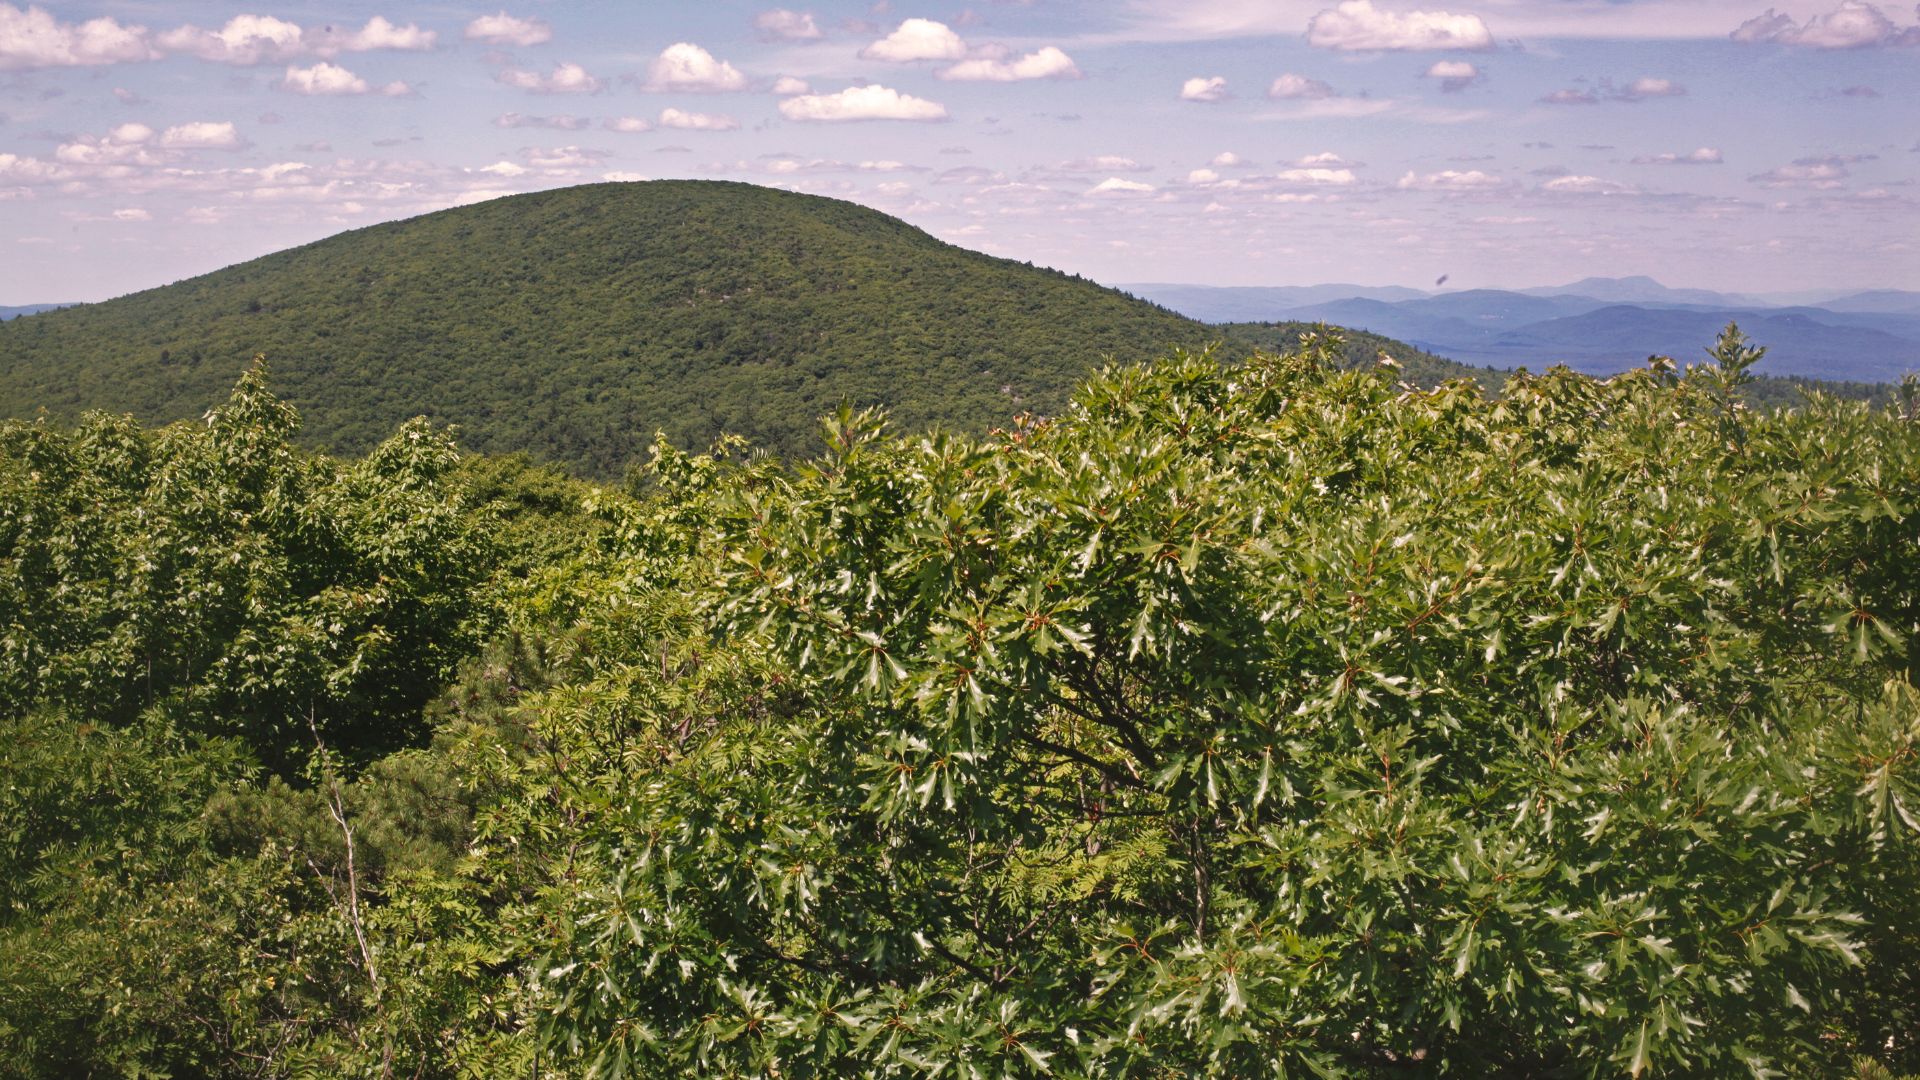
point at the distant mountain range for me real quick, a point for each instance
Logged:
(28, 309)
(1596, 325)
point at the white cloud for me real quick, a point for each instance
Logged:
(245, 39)
(1571, 97)
(1451, 180)
(620, 177)
(377, 34)
(787, 84)
(564, 79)
(628, 125)
(562, 157)
(505, 168)
(1227, 159)
(1326, 159)
(32, 38)
(560, 123)
(130, 134)
(686, 66)
(1585, 185)
(262, 39)
(1819, 173)
(1293, 87)
(1706, 155)
(1454, 75)
(1204, 88)
(696, 121)
(1853, 25)
(324, 79)
(1316, 176)
(1356, 25)
(202, 135)
(134, 214)
(1649, 87)
(1114, 185)
(870, 102)
(917, 39)
(1047, 62)
(1202, 176)
(1103, 163)
(783, 25)
(505, 29)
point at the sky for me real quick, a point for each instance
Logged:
(1495, 143)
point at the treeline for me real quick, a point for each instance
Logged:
(1240, 719)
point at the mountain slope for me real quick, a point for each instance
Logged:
(574, 323)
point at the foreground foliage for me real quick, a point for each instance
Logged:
(1242, 720)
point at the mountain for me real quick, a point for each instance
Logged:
(1641, 289)
(28, 309)
(575, 323)
(1888, 301)
(1226, 303)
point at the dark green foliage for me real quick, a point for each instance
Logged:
(1253, 719)
(266, 591)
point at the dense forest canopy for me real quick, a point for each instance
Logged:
(1239, 719)
(573, 324)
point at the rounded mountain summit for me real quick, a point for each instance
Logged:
(575, 323)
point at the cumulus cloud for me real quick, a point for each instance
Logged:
(324, 79)
(132, 214)
(628, 125)
(32, 38)
(1643, 88)
(1451, 180)
(1114, 185)
(1202, 176)
(1585, 185)
(1044, 63)
(1204, 88)
(688, 67)
(1648, 87)
(1292, 87)
(870, 102)
(696, 121)
(783, 25)
(1316, 175)
(562, 157)
(561, 123)
(1107, 163)
(1324, 159)
(1853, 25)
(1706, 155)
(917, 39)
(564, 79)
(1454, 75)
(201, 135)
(1227, 159)
(505, 168)
(1358, 26)
(787, 84)
(1822, 173)
(262, 39)
(506, 30)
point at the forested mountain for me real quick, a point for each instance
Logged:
(575, 323)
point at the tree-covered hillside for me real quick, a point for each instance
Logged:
(1239, 720)
(574, 324)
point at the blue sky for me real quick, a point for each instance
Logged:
(1709, 143)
